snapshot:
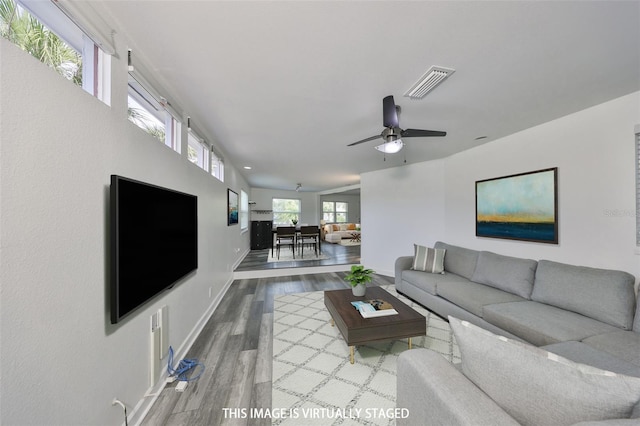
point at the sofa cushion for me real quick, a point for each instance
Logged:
(537, 387)
(542, 324)
(424, 281)
(511, 274)
(585, 354)
(430, 282)
(473, 296)
(459, 260)
(622, 344)
(603, 294)
(428, 260)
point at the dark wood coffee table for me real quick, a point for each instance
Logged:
(357, 330)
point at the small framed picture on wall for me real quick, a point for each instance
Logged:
(232, 207)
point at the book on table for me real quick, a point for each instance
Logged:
(374, 308)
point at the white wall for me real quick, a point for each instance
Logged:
(62, 360)
(594, 152)
(400, 206)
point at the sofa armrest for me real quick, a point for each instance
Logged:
(402, 263)
(436, 393)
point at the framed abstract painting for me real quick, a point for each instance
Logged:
(232, 210)
(519, 207)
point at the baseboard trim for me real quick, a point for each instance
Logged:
(143, 406)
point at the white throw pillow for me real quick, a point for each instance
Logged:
(537, 387)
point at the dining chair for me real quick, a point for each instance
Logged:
(309, 235)
(286, 236)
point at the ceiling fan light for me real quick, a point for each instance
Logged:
(391, 147)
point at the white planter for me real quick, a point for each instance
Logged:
(359, 290)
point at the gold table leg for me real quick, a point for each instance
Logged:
(409, 342)
(351, 354)
(332, 322)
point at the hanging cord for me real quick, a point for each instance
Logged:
(124, 407)
(183, 368)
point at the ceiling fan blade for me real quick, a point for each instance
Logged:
(389, 112)
(417, 133)
(364, 140)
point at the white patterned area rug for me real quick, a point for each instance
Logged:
(313, 381)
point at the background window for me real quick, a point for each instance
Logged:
(244, 210)
(335, 211)
(285, 211)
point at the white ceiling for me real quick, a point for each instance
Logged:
(283, 87)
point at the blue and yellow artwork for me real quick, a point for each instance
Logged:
(519, 207)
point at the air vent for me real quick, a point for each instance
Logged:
(429, 81)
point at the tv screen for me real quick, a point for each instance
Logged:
(154, 241)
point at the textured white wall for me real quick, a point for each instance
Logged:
(594, 152)
(401, 206)
(62, 362)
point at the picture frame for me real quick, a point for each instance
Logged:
(232, 207)
(519, 207)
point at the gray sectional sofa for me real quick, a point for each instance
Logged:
(585, 315)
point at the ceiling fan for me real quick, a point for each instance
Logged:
(392, 134)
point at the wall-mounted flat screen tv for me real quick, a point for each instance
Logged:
(154, 242)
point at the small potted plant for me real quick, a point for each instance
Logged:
(358, 278)
(294, 221)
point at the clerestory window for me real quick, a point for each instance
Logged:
(49, 34)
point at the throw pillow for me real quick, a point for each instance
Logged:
(537, 387)
(351, 227)
(428, 259)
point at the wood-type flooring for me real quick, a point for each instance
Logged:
(236, 348)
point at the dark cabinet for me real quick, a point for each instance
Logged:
(261, 234)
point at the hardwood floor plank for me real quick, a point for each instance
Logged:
(162, 408)
(217, 392)
(242, 314)
(197, 391)
(241, 389)
(265, 350)
(261, 398)
(252, 326)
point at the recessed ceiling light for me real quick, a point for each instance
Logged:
(247, 167)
